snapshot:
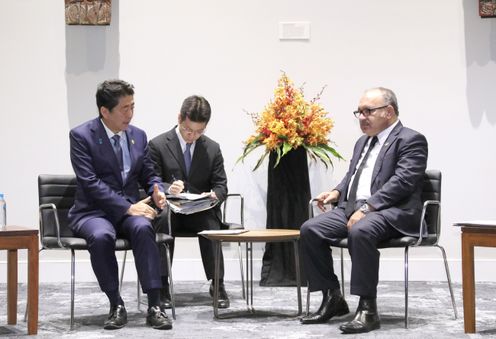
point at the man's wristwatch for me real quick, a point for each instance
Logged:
(364, 208)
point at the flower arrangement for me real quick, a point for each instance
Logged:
(289, 122)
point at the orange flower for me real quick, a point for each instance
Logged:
(289, 122)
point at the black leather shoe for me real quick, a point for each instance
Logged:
(366, 318)
(157, 319)
(165, 298)
(223, 301)
(117, 318)
(333, 304)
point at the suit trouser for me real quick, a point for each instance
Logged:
(100, 235)
(318, 233)
(193, 223)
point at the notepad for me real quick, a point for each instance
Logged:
(188, 196)
(183, 206)
(222, 232)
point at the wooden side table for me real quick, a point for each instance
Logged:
(474, 233)
(13, 238)
(249, 237)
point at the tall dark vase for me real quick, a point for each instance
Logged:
(288, 193)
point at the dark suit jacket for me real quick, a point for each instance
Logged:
(207, 165)
(100, 189)
(396, 179)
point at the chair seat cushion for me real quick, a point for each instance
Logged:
(232, 226)
(80, 244)
(163, 237)
(397, 242)
(67, 242)
(122, 245)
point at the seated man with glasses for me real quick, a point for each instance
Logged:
(187, 160)
(378, 199)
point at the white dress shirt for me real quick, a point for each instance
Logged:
(126, 156)
(365, 181)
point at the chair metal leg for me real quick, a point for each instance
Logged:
(446, 267)
(73, 269)
(171, 281)
(307, 312)
(406, 286)
(122, 270)
(240, 254)
(298, 281)
(138, 293)
(342, 273)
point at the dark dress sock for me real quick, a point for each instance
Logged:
(153, 297)
(114, 298)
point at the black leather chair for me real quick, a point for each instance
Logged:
(228, 225)
(56, 196)
(430, 220)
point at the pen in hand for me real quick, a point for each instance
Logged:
(177, 186)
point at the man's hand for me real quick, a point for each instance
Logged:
(210, 194)
(158, 197)
(176, 187)
(355, 217)
(326, 198)
(141, 208)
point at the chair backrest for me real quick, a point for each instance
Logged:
(432, 192)
(59, 190)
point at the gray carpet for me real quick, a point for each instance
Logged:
(431, 315)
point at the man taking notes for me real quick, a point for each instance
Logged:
(187, 160)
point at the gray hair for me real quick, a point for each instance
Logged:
(388, 96)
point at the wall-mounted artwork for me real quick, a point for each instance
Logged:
(487, 8)
(88, 12)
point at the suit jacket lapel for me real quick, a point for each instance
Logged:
(132, 148)
(174, 147)
(389, 141)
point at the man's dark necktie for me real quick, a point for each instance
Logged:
(118, 151)
(187, 158)
(350, 205)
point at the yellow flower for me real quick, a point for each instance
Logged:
(289, 122)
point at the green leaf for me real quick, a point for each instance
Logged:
(331, 150)
(279, 156)
(286, 147)
(260, 161)
(247, 150)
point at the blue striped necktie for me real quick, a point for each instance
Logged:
(118, 150)
(187, 158)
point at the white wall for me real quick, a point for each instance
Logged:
(439, 57)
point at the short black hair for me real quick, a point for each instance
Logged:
(196, 108)
(109, 92)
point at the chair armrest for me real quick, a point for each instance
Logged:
(57, 223)
(311, 204)
(423, 223)
(241, 199)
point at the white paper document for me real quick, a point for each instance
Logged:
(227, 232)
(188, 196)
(184, 206)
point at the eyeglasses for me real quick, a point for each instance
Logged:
(367, 111)
(190, 131)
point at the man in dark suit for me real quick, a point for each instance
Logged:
(378, 199)
(111, 160)
(188, 160)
